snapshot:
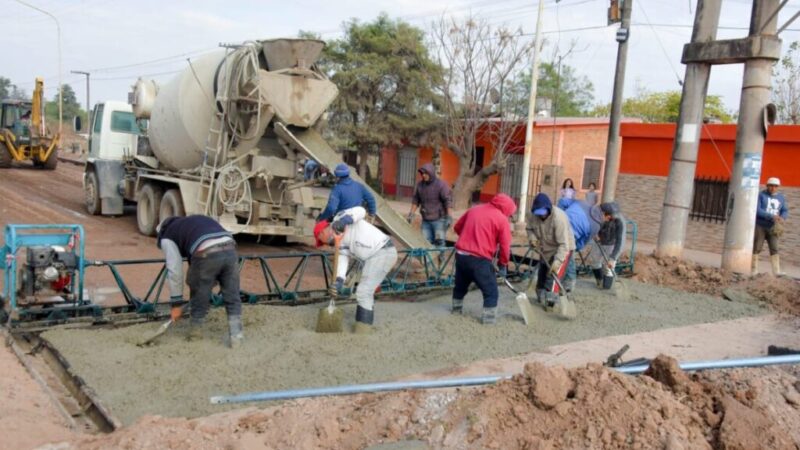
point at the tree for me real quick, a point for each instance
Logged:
(786, 92)
(70, 105)
(385, 78)
(570, 94)
(655, 107)
(480, 64)
(5, 87)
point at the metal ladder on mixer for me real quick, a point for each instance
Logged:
(217, 143)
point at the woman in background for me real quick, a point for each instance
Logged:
(568, 189)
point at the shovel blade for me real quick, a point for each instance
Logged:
(330, 320)
(161, 330)
(525, 308)
(566, 309)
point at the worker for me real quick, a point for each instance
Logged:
(211, 252)
(347, 194)
(434, 199)
(310, 170)
(581, 232)
(365, 242)
(481, 230)
(772, 211)
(549, 232)
(608, 244)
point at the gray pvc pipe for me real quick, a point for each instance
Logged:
(476, 381)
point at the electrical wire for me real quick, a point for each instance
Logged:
(661, 44)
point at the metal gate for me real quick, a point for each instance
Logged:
(406, 172)
(511, 179)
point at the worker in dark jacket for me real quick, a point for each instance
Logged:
(211, 252)
(770, 214)
(347, 194)
(481, 230)
(608, 244)
(434, 199)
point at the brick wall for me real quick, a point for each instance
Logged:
(641, 198)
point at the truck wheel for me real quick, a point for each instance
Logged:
(5, 157)
(147, 208)
(171, 205)
(91, 193)
(51, 162)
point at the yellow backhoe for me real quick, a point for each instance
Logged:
(23, 133)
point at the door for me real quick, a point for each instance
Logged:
(95, 131)
(511, 179)
(406, 172)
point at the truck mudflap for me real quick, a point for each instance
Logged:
(109, 175)
(312, 144)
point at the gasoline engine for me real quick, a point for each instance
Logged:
(47, 273)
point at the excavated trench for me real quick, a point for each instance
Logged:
(281, 351)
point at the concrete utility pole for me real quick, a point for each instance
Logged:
(612, 149)
(751, 132)
(680, 184)
(88, 105)
(526, 158)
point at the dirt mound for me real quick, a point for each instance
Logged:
(782, 293)
(541, 408)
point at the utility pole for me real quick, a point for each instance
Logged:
(526, 158)
(611, 172)
(680, 184)
(751, 132)
(88, 105)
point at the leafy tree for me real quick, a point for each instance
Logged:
(480, 63)
(5, 87)
(385, 77)
(786, 91)
(653, 107)
(570, 94)
(71, 107)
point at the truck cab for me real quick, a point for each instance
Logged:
(113, 137)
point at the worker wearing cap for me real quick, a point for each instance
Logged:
(483, 231)
(211, 252)
(550, 233)
(608, 244)
(365, 242)
(770, 215)
(347, 194)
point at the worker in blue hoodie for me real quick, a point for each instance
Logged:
(581, 230)
(347, 194)
(772, 211)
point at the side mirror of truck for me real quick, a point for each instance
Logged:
(77, 124)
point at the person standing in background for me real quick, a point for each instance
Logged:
(567, 189)
(770, 215)
(591, 195)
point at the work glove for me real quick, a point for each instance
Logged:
(175, 313)
(339, 285)
(448, 221)
(371, 219)
(410, 217)
(555, 266)
(502, 271)
(339, 225)
(612, 264)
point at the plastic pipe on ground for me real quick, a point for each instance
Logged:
(476, 381)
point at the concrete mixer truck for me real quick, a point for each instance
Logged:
(227, 138)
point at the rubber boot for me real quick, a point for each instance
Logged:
(754, 265)
(235, 331)
(364, 320)
(541, 296)
(195, 329)
(458, 306)
(775, 260)
(569, 285)
(608, 281)
(551, 298)
(489, 316)
(598, 277)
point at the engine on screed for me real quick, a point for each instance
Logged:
(47, 273)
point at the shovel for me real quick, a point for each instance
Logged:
(175, 315)
(522, 301)
(329, 319)
(564, 308)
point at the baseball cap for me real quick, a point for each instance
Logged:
(774, 181)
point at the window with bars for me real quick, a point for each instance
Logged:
(710, 200)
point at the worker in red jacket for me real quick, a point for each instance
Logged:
(481, 230)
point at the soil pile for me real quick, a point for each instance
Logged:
(541, 408)
(782, 294)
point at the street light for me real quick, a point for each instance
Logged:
(81, 72)
(58, 29)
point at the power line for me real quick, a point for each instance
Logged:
(661, 44)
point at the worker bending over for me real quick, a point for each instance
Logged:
(550, 234)
(608, 244)
(211, 252)
(365, 242)
(581, 233)
(347, 194)
(481, 230)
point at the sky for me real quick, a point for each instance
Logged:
(119, 41)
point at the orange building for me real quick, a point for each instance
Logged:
(576, 145)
